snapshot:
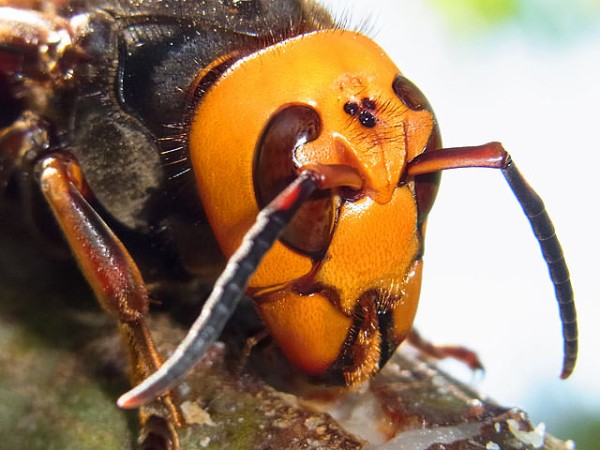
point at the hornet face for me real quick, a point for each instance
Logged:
(339, 291)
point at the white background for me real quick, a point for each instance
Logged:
(485, 283)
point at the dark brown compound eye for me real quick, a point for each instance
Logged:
(426, 186)
(310, 231)
(410, 94)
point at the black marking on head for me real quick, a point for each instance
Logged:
(367, 119)
(351, 108)
(365, 111)
(368, 103)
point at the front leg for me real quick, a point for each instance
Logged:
(113, 276)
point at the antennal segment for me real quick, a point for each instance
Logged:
(492, 155)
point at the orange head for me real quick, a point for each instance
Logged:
(340, 289)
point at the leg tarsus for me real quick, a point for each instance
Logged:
(144, 361)
(249, 345)
(462, 354)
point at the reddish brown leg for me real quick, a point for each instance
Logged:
(462, 354)
(20, 143)
(109, 269)
(249, 345)
(23, 135)
(33, 42)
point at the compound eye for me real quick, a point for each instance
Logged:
(410, 94)
(426, 186)
(309, 233)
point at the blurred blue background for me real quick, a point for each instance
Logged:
(526, 73)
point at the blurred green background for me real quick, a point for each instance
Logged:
(553, 20)
(555, 26)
